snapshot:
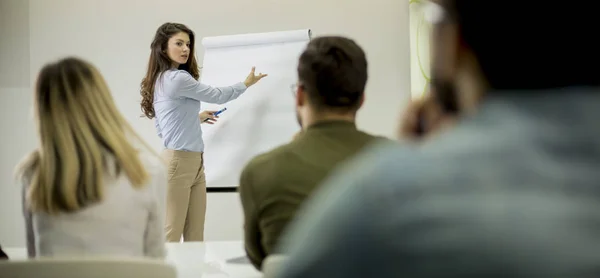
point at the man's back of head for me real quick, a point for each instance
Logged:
(332, 75)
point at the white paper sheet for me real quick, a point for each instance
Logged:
(262, 118)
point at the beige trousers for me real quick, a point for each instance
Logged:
(186, 196)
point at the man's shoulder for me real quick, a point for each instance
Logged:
(379, 139)
(261, 175)
(270, 161)
(374, 138)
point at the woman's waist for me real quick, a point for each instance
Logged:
(194, 144)
(183, 153)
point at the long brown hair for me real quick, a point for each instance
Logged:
(160, 62)
(82, 138)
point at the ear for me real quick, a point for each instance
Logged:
(300, 96)
(361, 100)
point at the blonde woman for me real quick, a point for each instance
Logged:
(87, 189)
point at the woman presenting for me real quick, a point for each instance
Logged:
(171, 94)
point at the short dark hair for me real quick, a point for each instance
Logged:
(530, 44)
(333, 72)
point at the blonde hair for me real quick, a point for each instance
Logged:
(82, 138)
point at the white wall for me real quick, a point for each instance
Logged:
(115, 35)
(18, 133)
(14, 44)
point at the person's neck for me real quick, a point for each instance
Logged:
(311, 120)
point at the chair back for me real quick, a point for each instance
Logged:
(87, 268)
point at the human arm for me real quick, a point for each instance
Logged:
(154, 239)
(154, 236)
(252, 235)
(157, 126)
(191, 88)
(29, 233)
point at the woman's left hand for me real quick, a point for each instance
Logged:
(253, 78)
(208, 117)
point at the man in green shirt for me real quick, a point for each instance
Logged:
(332, 74)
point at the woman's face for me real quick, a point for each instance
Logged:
(178, 48)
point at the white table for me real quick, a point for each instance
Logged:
(209, 259)
(195, 259)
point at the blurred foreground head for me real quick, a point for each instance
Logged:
(500, 47)
(503, 47)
